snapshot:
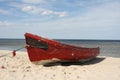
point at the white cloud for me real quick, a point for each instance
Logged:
(27, 8)
(97, 22)
(4, 12)
(100, 22)
(61, 14)
(103, 16)
(38, 10)
(47, 12)
(5, 24)
(32, 10)
(41, 11)
(100, 16)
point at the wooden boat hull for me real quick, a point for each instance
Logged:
(42, 50)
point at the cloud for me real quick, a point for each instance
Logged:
(97, 16)
(4, 12)
(28, 9)
(41, 11)
(61, 14)
(102, 16)
(33, 10)
(47, 12)
(107, 14)
(38, 10)
(5, 24)
(99, 21)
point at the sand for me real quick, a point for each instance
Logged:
(20, 68)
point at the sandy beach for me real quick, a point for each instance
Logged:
(20, 68)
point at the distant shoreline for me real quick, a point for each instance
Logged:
(107, 48)
(103, 40)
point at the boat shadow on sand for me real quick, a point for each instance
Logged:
(90, 62)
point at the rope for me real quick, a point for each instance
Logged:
(13, 52)
(5, 54)
(20, 48)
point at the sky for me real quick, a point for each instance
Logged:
(61, 19)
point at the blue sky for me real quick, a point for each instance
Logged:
(61, 19)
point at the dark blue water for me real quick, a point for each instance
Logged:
(110, 48)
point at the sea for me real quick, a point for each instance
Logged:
(109, 48)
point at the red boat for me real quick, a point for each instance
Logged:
(42, 50)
